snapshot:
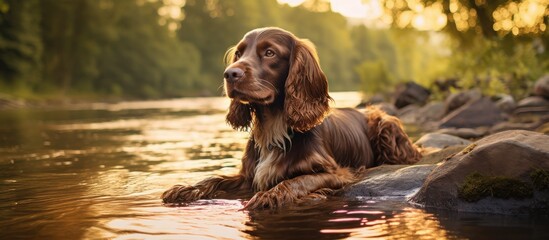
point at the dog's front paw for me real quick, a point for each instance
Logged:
(270, 199)
(181, 194)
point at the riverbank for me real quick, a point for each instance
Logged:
(482, 154)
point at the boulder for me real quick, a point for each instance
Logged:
(446, 84)
(440, 155)
(543, 128)
(375, 99)
(387, 108)
(467, 133)
(505, 103)
(440, 141)
(411, 93)
(456, 100)
(481, 112)
(532, 105)
(397, 181)
(541, 87)
(532, 125)
(431, 112)
(408, 114)
(507, 172)
(391, 181)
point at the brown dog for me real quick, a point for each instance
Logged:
(299, 147)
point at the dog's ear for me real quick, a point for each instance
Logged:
(228, 58)
(307, 101)
(239, 115)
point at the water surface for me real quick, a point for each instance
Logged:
(96, 171)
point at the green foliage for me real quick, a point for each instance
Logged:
(395, 56)
(477, 186)
(4, 7)
(213, 26)
(495, 68)
(328, 31)
(20, 46)
(375, 77)
(110, 48)
(128, 49)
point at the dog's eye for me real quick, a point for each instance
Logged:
(237, 54)
(269, 53)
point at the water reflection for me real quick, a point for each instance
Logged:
(344, 219)
(97, 171)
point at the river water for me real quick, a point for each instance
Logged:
(96, 171)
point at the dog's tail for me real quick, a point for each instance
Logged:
(390, 144)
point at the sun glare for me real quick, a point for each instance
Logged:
(292, 3)
(357, 8)
(348, 8)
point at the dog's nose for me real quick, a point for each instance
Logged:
(233, 74)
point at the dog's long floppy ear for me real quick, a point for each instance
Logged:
(307, 101)
(239, 115)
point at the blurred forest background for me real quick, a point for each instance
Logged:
(146, 49)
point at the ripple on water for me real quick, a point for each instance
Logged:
(97, 172)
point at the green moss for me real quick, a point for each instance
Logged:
(540, 179)
(477, 186)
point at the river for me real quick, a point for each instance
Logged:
(96, 171)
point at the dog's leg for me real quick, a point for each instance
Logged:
(292, 190)
(207, 188)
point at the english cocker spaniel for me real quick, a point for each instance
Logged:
(299, 147)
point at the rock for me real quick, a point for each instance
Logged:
(440, 155)
(439, 140)
(456, 100)
(390, 181)
(534, 101)
(431, 112)
(532, 126)
(398, 180)
(411, 93)
(387, 107)
(541, 87)
(444, 85)
(507, 162)
(506, 103)
(532, 105)
(375, 99)
(466, 133)
(481, 112)
(408, 114)
(543, 128)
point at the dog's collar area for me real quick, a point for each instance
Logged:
(287, 142)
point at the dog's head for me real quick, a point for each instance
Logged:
(272, 67)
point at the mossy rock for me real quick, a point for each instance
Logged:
(540, 179)
(478, 186)
(512, 176)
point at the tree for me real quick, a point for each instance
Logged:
(331, 36)
(20, 45)
(491, 19)
(144, 59)
(375, 77)
(493, 43)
